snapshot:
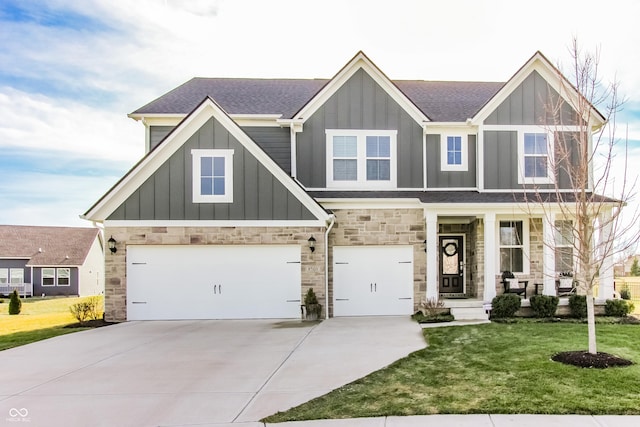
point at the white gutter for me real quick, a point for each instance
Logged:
(332, 218)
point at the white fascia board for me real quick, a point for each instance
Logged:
(195, 223)
(256, 120)
(479, 209)
(149, 164)
(360, 61)
(158, 119)
(373, 203)
(429, 125)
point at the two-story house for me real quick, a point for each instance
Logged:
(378, 194)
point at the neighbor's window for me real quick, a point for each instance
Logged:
(535, 159)
(64, 275)
(564, 245)
(511, 246)
(361, 158)
(48, 276)
(212, 176)
(453, 153)
(4, 276)
(17, 276)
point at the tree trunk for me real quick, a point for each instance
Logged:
(591, 321)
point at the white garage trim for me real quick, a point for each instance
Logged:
(166, 282)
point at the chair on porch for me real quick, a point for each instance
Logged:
(565, 287)
(512, 285)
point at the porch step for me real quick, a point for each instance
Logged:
(469, 313)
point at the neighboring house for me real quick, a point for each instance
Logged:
(378, 194)
(51, 261)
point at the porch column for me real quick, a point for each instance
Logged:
(489, 256)
(605, 290)
(548, 255)
(432, 255)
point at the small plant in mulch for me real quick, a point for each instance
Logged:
(420, 317)
(584, 359)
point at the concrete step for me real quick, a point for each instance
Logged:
(469, 313)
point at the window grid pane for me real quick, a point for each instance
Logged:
(345, 146)
(378, 170)
(345, 170)
(454, 150)
(17, 275)
(63, 276)
(4, 276)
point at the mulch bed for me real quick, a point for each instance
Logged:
(91, 324)
(584, 359)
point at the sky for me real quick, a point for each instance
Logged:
(71, 71)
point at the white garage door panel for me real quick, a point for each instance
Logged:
(213, 282)
(373, 280)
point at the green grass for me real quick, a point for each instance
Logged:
(40, 318)
(492, 368)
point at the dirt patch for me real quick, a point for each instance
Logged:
(91, 324)
(584, 359)
(296, 324)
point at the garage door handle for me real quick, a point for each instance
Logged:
(138, 302)
(293, 300)
(342, 299)
(405, 298)
(341, 263)
(405, 262)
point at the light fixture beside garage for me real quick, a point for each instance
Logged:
(312, 243)
(112, 245)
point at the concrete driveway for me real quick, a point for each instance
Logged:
(192, 372)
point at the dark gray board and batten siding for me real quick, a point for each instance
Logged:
(72, 289)
(359, 104)
(167, 194)
(436, 178)
(528, 104)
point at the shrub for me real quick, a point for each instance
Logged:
(432, 306)
(310, 297)
(505, 305)
(313, 308)
(544, 305)
(15, 304)
(95, 309)
(618, 307)
(625, 293)
(81, 311)
(578, 306)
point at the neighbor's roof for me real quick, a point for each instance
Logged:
(47, 246)
(441, 101)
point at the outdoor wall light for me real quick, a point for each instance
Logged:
(425, 246)
(312, 243)
(112, 245)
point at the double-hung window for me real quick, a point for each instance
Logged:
(361, 158)
(535, 160)
(4, 276)
(453, 149)
(212, 176)
(63, 276)
(17, 276)
(48, 277)
(512, 246)
(564, 245)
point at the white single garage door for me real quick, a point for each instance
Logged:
(213, 282)
(372, 280)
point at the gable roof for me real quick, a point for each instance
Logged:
(206, 109)
(47, 246)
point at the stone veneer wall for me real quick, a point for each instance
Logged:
(115, 264)
(378, 227)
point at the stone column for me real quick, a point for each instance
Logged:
(490, 251)
(549, 255)
(432, 255)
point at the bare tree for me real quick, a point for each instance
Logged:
(585, 197)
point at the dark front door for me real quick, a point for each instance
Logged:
(451, 265)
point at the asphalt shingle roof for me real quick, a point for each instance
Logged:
(441, 101)
(47, 246)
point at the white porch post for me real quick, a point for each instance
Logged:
(606, 290)
(490, 251)
(432, 255)
(549, 255)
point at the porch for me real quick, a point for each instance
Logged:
(24, 289)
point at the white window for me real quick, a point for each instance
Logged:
(534, 162)
(564, 245)
(4, 276)
(512, 246)
(361, 158)
(212, 176)
(48, 277)
(17, 276)
(453, 153)
(63, 276)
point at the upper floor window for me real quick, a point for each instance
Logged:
(564, 245)
(361, 158)
(212, 176)
(534, 161)
(453, 149)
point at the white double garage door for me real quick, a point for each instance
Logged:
(168, 282)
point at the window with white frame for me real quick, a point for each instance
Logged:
(453, 149)
(17, 276)
(212, 176)
(512, 252)
(534, 157)
(48, 277)
(361, 158)
(4, 276)
(63, 276)
(564, 245)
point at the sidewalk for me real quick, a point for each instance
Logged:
(465, 421)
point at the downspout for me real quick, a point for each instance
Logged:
(332, 218)
(424, 157)
(294, 152)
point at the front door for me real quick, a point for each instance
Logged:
(451, 265)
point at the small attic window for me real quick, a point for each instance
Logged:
(212, 176)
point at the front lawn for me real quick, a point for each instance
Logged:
(492, 368)
(39, 319)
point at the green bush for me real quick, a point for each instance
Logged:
(505, 305)
(578, 306)
(81, 311)
(625, 293)
(15, 304)
(618, 307)
(544, 305)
